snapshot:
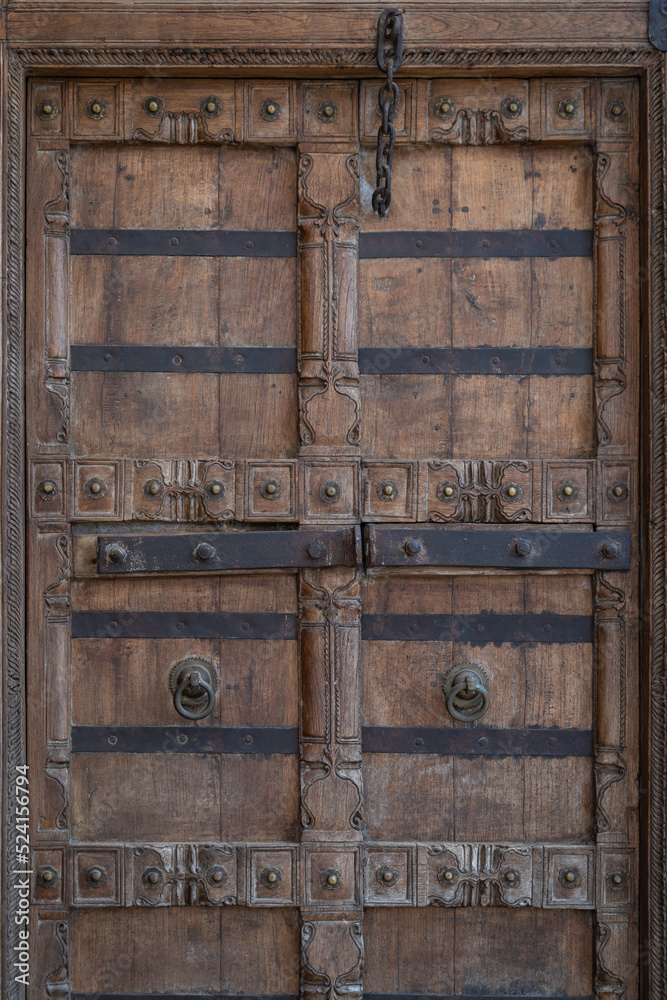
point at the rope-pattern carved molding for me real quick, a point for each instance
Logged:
(319, 876)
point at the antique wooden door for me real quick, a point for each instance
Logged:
(333, 549)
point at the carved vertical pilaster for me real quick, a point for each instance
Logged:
(329, 417)
(54, 815)
(56, 299)
(53, 944)
(610, 682)
(332, 957)
(616, 265)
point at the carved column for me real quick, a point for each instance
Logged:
(56, 304)
(329, 599)
(329, 417)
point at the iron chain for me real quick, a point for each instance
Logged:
(389, 57)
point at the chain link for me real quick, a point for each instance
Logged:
(389, 57)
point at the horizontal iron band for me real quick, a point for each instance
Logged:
(163, 358)
(483, 742)
(452, 996)
(478, 629)
(389, 546)
(208, 996)
(228, 550)
(478, 243)
(181, 625)
(475, 361)
(184, 739)
(184, 242)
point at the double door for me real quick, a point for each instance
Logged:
(333, 550)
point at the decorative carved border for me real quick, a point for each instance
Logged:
(345, 61)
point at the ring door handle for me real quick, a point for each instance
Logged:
(191, 684)
(466, 692)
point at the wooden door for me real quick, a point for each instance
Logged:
(333, 548)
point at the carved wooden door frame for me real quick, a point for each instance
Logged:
(19, 62)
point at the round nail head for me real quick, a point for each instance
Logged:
(448, 491)
(153, 105)
(154, 489)
(48, 877)
(215, 489)
(570, 876)
(511, 491)
(153, 877)
(523, 547)
(270, 488)
(610, 550)
(617, 879)
(332, 880)
(271, 877)
(95, 875)
(413, 546)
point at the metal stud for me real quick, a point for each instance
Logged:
(447, 491)
(153, 488)
(152, 876)
(447, 875)
(271, 877)
(327, 112)
(47, 489)
(610, 550)
(618, 492)
(331, 878)
(270, 110)
(413, 546)
(204, 552)
(567, 108)
(271, 489)
(387, 490)
(154, 106)
(569, 877)
(523, 546)
(387, 875)
(316, 549)
(617, 880)
(444, 107)
(47, 877)
(330, 492)
(115, 553)
(95, 876)
(567, 491)
(513, 492)
(215, 490)
(616, 111)
(217, 876)
(211, 107)
(511, 876)
(96, 108)
(96, 488)
(48, 109)
(511, 107)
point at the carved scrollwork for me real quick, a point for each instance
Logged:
(57, 984)
(477, 491)
(183, 128)
(327, 947)
(479, 875)
(478, 127)
(184, 875)
(182, 490)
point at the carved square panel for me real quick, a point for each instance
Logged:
(211, 101)
(330, 491)
(486, 111)
(569, 877)
(483, 492)
(148, 490)
(215, 488)
(97, 109)
(273, 877)
(47, 112)
(270, 111)
(270, 491)
(98, 490)
(48, 489)
(479, 875)
(616, 879)
(616, 492)
(329, 110)
(389, 876)
(371, 117)
(331, 877)
(390, 491)
(97, 876)
(618, 107)
(182, 874)
(48, 880)
(566, 108)
(569, 493)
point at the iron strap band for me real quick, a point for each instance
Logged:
(181, 625)
(478, 741)
(183, 242)
(515, 243)
(216, 551)
(185, 739)
(497, 548)
(164, 358)
(478, 629)
(475, 361)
